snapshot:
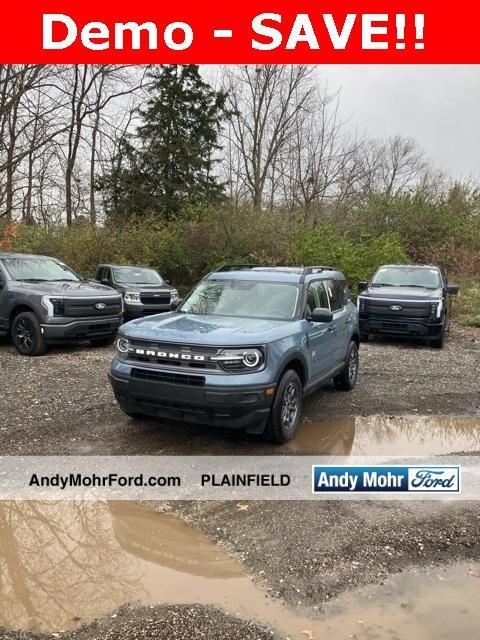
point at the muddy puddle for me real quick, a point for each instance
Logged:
(63, 564)
(379, 435)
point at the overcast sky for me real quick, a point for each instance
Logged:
(439, 105)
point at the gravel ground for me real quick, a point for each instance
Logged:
(302, 552)
(329, 547)
(62, 403)
(157, 623)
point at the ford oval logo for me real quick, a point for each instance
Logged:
(395, 307)
(100, 305)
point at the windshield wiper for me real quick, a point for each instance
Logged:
(31, 280)
(382, 284)
(62, 280)
(417, 286)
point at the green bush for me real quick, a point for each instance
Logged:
(358, 260)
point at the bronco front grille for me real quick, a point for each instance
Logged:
(171, 378)
(148, 352)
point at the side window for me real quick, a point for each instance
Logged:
(316, 296)
(336, 294)
(99, 274)
(107, 274)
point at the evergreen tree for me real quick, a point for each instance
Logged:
(171, 163)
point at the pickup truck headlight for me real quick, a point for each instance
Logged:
(132, 296)
(122, 346)
(173, 295)
(54, 306)
(250, 359)
(361, 304)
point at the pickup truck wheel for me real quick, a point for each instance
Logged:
(102, 342)
(347, 377)
(439, 343)
(286, 409)
(27, 335)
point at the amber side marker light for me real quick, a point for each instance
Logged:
(270, 391)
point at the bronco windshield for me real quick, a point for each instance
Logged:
(425, 277)
(136, 275)
(39, 270)
(243, 299)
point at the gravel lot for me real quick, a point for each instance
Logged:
(304, 553)
(62, 403)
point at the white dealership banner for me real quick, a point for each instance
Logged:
(241, 478)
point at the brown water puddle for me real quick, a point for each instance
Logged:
(65, 563)
(383, 435)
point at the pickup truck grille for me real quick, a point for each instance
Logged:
(409, 309)
(143, 351)
(151, 299)
(92, 307)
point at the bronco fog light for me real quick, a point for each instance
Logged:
(122, 345)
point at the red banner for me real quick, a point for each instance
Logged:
(253, 31)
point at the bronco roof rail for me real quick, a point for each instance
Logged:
(308, 270)
(237, 267)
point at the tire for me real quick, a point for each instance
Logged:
(439, 343)
(102, 342)
(347, 378)
(286, 409)
(364, 337)
(27, 335)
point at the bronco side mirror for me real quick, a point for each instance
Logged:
(362, 286)
(452, 288)
(105, 281)
(320, 314)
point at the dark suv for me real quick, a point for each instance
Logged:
(242, 350)
(144, 290)
(43, 301)
(406, 300)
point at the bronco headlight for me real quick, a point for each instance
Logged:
(250, 359)
(132, 296)
(122, 346)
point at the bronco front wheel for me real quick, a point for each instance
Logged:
(286, 409)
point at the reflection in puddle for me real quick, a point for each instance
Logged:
(65, 563)
(384, 435)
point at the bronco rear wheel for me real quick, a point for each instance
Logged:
(347, 378)
(286, 409)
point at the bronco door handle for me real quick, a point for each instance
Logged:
(331, 329)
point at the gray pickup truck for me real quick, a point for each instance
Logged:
(43, 301)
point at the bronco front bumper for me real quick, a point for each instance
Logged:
(177, 396)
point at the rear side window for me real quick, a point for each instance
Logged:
(336, 294)
(316, 296)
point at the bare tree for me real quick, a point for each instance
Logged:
(266, 101)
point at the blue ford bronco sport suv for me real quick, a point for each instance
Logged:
(241, 350)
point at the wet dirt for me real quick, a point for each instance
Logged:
(65, 563)
(382, 435)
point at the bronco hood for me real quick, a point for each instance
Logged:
(214, 330)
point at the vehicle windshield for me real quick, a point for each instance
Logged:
(243, 299)
(39, 270)
(424, 277)
(136, 275)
